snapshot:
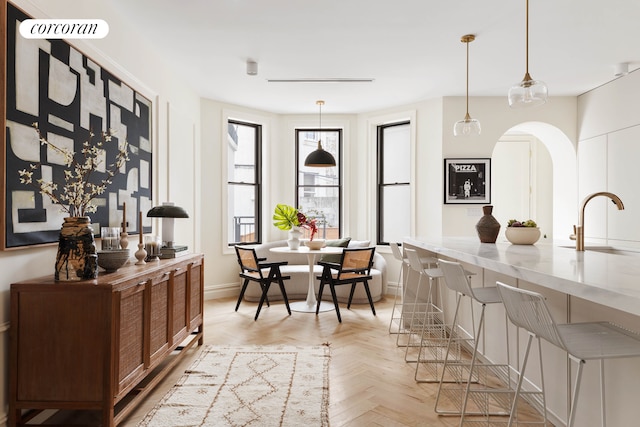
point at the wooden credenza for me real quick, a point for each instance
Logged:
(101, 344)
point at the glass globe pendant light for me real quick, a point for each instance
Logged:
(467, 126)
(529, 92)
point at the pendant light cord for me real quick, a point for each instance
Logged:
(527, 40)
(467, 116)
(320, 104)
(467, 39)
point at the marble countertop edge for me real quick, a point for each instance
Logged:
(612, 280)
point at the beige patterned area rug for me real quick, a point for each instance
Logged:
(249, 386)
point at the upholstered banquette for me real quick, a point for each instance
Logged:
(298, 269)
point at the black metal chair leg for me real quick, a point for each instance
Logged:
(284, 295)
(335, 301)
(366, 288)
(266, 297)
(324, 278)
(320, 290)
(262, 299)
(353, 288)
(244, 288)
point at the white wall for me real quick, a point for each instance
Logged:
(433, 140)
(221, 273)
(554, 124)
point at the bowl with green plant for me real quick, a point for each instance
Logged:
(522, 232)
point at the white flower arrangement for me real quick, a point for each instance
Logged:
(77, 193)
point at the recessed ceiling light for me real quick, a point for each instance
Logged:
(252, 68)
(621, 69)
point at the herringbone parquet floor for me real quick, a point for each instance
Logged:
(370, 383)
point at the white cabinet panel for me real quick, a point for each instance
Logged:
(622, 162)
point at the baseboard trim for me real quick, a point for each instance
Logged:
(221, 291)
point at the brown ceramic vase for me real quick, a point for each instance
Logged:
(488, 227)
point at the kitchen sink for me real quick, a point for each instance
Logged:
(607, 250)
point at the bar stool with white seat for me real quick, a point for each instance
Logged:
(492, 381)
(582, 341)
(396, 311)
(427, 318)
(403, 319)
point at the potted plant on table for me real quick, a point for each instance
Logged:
(286, 217)
(311, 225)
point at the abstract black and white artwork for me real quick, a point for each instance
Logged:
(69, 95)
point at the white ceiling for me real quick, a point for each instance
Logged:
(411, 48)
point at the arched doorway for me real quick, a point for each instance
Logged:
(562, 202)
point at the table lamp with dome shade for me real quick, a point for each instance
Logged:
(168, 211)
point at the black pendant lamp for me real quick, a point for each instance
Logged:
(320, 158)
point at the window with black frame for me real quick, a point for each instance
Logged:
(319, 189)
(394, 182)
(244, 187)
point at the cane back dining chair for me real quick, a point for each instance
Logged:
(354, 267)
(254, 269)
(582, 341)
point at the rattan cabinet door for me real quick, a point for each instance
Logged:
(196, 302)
(159, 315)
(130, 329)
(179, 296)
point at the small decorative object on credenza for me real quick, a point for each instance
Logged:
(140, 254)
(488, 227)
(77, 257)
(152, 245)
(168, 211)
(124, 237)
(173, 252)
(110, 238)
(111, 260)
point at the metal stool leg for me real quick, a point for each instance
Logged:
(397, 302)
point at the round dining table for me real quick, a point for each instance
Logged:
(309, 305)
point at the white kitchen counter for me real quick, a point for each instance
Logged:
(612, 280)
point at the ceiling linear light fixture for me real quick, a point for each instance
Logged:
(323, 80)
(467, 126)
(529, 92)
(320, 158)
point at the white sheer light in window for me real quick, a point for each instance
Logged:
(394, 196)
(242, 186)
